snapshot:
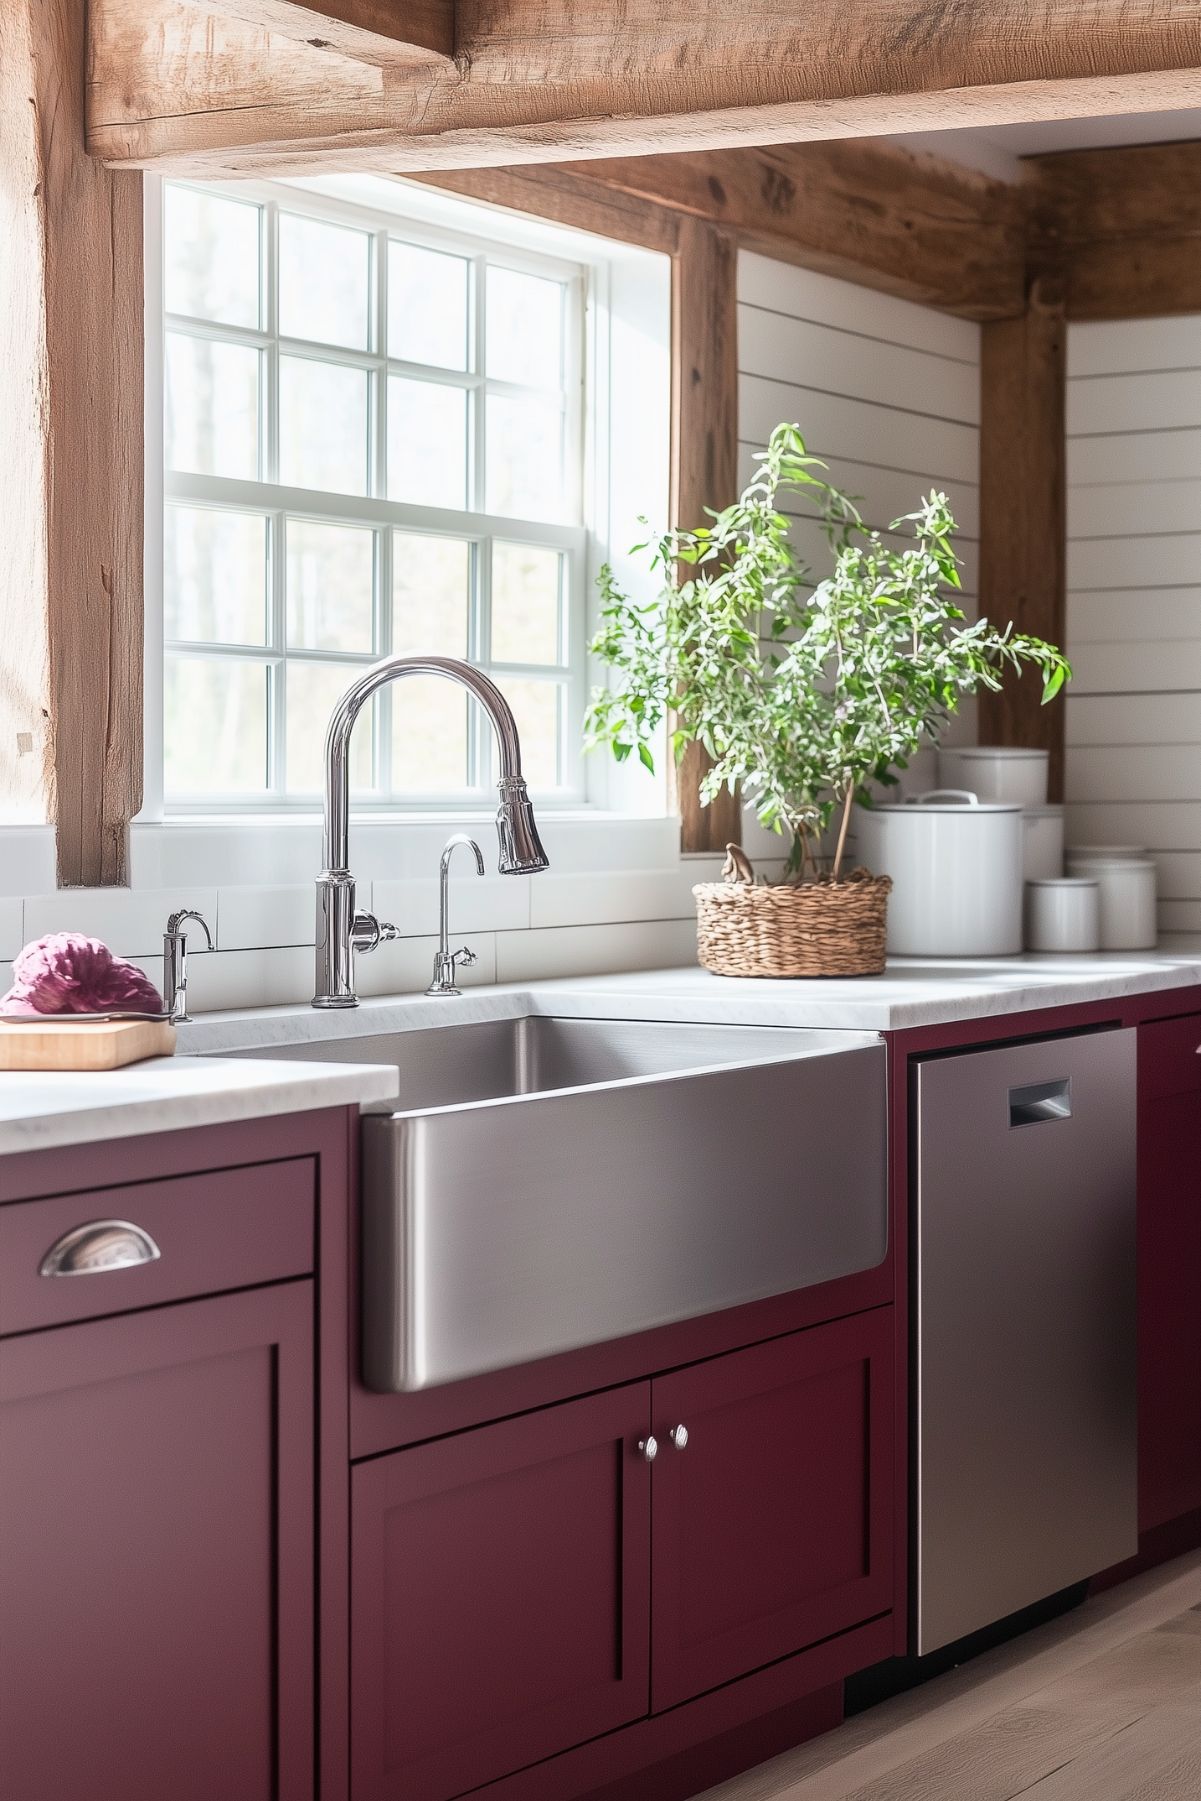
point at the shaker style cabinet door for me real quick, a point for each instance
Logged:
(499, 1597)
(1169, 1269)
(156, 1554)
(773, 1516)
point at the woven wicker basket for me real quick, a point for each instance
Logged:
(820, 928)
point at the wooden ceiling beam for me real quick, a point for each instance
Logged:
(1123, 225)
(554, 80)
(390, 33)
(911, 225)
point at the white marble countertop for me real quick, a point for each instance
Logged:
(910, 993)
(200, 1087)
(41, 1111)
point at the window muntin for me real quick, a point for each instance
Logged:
(406, 475)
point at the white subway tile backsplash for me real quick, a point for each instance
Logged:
(594, 950)
(131, 921)
(250, 917)
(27, 860)
(270, 977)
(568, 900)
(260, 852)
(407, 965)
(488, 903)
(12, 935)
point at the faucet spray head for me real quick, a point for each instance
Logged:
(521, 851)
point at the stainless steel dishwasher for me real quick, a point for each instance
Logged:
(1024, 1317)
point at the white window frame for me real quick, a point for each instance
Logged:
(473, 524)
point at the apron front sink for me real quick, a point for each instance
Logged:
(553, 1183)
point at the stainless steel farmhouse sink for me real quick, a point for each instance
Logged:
(551, 1183)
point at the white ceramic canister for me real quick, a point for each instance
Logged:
(1042, 843)
(997, 772)
(1063, 914)
(920, 775)
(1128, 895)
(956, 868)
(1105, 853)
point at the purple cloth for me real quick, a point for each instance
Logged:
(68, 973)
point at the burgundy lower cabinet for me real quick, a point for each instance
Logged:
(521, 1588)
(156, 1552)
(500, 1596)
(1169, 1249)
(773, 1524)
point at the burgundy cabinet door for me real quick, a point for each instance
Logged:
(156, 1554)
(500, 1582)
(773, 1526)
(1169, 1269)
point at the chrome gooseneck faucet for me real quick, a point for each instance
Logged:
(446, 961)
(341, 928)
(175, 963)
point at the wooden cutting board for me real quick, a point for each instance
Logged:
(101, 1044)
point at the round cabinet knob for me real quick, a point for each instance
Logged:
(679, 1437)
(649, 1448)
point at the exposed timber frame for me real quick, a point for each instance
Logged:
(269, 87)
(775, 154)
(71, 362)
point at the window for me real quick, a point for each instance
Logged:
(373, 442)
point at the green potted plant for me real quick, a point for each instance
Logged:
(804, 695)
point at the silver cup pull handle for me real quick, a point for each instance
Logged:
(649, 1448)
(99, 1246)
(679, 1437)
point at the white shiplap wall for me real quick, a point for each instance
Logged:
(1134, 597)
(887, 392)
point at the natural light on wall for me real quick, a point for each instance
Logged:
(374, 442)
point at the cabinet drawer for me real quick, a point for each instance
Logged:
(200, 1234)
(1168, 1060)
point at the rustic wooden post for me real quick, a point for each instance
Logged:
(71, 481)
(704, 453)
(1023, 532)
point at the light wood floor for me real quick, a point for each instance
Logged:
(1103, 1704)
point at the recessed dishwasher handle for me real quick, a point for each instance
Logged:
(1040, 1101)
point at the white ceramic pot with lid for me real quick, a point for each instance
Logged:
(956, 868)
(1128, 888)
(1006, 772)
(1042, 841)
(1106, 853)
(1063, 914)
